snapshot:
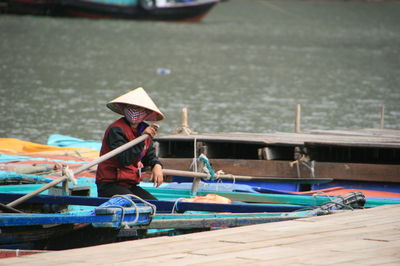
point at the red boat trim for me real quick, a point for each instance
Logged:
(193, 19)
(11, 253)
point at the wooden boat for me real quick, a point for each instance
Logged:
(37, 228)
(125, 217)
(34, 163)
(25, 183)
(48, 224)
(174, 215)
(359, 159)
(31, 7)
(284, 199)
(162, 10)
(176, 10)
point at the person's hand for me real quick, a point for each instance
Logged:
(157, 175)
(151, 130)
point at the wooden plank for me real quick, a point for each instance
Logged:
(377, 138)
(371, 132)
(212, 222)
(282, 169)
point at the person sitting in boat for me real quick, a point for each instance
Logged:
(121, 174)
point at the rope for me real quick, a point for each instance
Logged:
(69, 174)
(154, 207)
(176, 204)
(322, 194)
(310, 167)
(212, 175)
(121, 223)
(125, 225)
(219, 180)
(207, 167)
(123, 210)
(331, 200)
(303, 160)
(344, 205)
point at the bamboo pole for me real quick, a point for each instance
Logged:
(80, 170)
(382, 116)
(173, 172)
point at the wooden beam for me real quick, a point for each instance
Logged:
(219, 222)
(270, 168)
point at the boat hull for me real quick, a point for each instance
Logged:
(30, 7)
(91, 9)
(180, 12)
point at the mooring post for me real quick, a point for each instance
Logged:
(382, 116)
(184, 128)
(185, 123)
(297, 121)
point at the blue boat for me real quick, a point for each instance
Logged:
(54, 228)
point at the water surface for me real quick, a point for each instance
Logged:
(244, 68)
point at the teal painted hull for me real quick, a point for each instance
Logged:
(173, 195)
(169, 194)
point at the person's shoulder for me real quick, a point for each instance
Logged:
(121, 122)
(117, 127)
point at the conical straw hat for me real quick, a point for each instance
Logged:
(137, 97)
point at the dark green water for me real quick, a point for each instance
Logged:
(242, 69)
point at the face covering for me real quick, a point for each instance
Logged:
(135, 115)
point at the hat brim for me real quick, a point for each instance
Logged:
(117, 107)
(137, 97)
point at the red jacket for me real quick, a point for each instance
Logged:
(112, 170)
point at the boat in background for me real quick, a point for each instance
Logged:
(159, 10)
(162, 10)
(364, 160)
(28, 7)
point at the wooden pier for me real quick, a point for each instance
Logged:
(356, 155)
(359, 237)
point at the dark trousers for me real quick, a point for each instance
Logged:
(108, 190)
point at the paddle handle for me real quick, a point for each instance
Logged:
(173, 172)
(111, 153)
(202, 175)
(80, 169)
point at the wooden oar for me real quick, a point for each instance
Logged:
(80, 169)
(241, 177)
